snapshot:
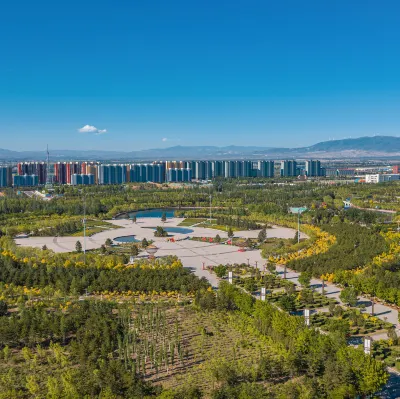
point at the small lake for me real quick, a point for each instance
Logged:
(125, 239)
(392, 389)
(174, 230)
(150, 213)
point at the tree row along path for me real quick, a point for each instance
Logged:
(253, 257)
(383, 312)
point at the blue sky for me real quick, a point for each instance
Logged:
(164, 73)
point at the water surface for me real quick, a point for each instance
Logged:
(125, 239)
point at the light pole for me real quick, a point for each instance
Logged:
(84, 229)
(298, 226)
(210, 207)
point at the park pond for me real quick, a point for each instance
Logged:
(148, 213)
(126, 239)
(174, 230)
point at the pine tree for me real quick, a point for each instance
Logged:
(262, 235)
(78, 246)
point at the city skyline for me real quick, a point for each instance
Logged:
(139, 76)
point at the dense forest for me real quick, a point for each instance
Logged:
(76, 280)
(101, 349)
(355, 247)
(58, 343)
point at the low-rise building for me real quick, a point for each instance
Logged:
(381, 178)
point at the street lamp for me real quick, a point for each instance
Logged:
(210, 202)
(299, 211)
(298, 226)
(84, 229)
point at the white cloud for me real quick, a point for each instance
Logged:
(164, 139)
(91, 129)
(88, 129)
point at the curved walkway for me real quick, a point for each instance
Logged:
(193, 254)
(196, 254)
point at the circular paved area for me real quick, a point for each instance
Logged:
(194, 254)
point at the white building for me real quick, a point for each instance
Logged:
(379, 178)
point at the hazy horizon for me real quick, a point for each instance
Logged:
(248, 145)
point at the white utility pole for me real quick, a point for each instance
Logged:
(298, 226)
(84, 229)
(210, 207)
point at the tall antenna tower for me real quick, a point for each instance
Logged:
(49, 175)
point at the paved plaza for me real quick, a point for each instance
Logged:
(195, 254)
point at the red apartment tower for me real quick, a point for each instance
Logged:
(68, 167)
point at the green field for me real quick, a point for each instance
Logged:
(94, 227)
(217, 227)
(192, 221)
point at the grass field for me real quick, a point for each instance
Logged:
(94, 227)
(205, 223)
(217, 227)
(192, 221)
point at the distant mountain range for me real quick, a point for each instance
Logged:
(363, 147)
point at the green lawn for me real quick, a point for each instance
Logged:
(216, 226)
(192, 221)
(94, 227)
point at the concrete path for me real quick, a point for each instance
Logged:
(383, 312)
(141, 229)
(194, 254)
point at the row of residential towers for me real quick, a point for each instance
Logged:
(77, 173)
(158, 172)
